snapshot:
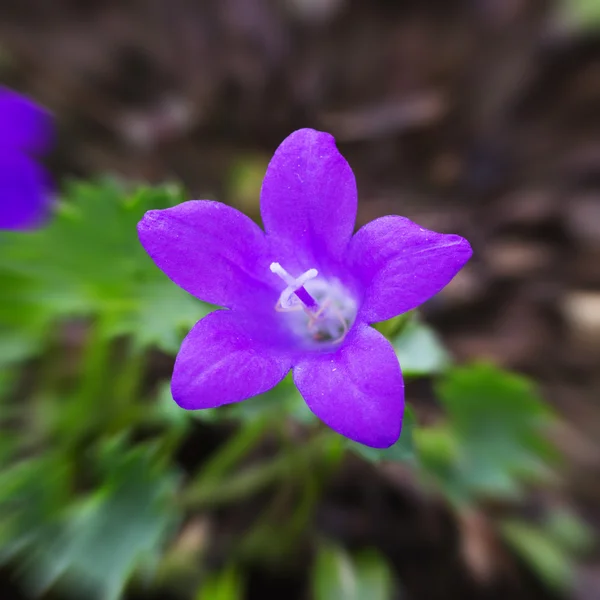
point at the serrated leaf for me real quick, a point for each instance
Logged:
(103, 539)
(163, 316)
(32, 493)
(498, 420)
(88, 262)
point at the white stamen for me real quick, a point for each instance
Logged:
(331, 312)
(287, 300)
(293, 281)
(279, 270)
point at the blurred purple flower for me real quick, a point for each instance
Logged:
(26, 132)
(301, 294)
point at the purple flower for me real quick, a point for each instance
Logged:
(25, 133)
(302, 293)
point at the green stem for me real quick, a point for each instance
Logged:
(236, 448)
(253, 479)
(95, 366)
(88, 403)
(126, 388)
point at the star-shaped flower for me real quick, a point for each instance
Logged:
(301, 294)
(25, 133)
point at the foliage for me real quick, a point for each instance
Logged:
(583, 14)
(91, 487)
(338, 576)
(550, 545)
(226, 585)
(420, 351)
(496, 421)
(89, 263)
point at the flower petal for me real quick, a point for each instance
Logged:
(401, 265)
(308, 199)
(225, 358)
(213, 252)
(358, 391)
(25, 194)
(24, 125)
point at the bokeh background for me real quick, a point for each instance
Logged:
(477, 117)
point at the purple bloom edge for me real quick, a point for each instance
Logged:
(302, 293)
(25, 190)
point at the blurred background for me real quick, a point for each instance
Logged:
(477, 117)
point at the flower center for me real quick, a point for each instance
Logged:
(327, 309)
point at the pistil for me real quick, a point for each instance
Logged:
(329, 316)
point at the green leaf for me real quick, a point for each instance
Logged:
(165, 409)
(120, 528)
(393, 327)
(403, 450)
(17, 346)
(374, 577)
(584, 14)
(498, 422)
(32, 494)
(88, 262)
(552, 546)
(541, 552)
(225, 585)
(569, 531)
(336, 576)
(163, 316)
(438, 454)
(24, 323)
(419, 350)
